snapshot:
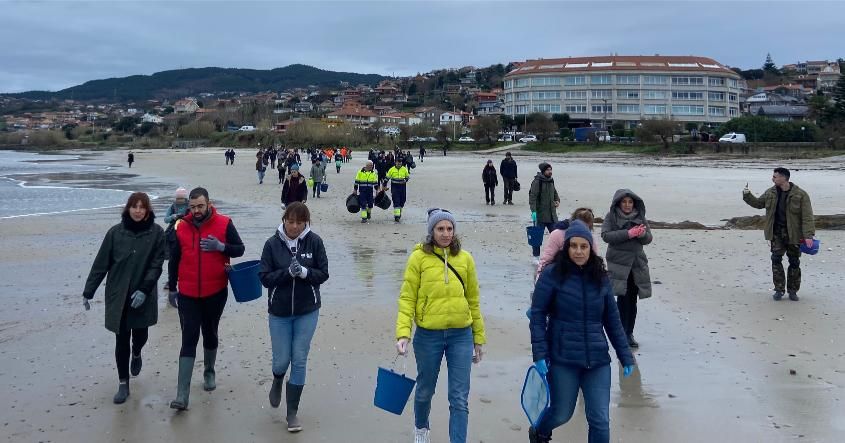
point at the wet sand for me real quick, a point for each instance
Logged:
(714, 363)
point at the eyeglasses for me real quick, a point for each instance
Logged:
(438, 209)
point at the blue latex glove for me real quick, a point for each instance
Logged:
(628, 370)
(137, 298)
(211, 243)
(541, 366)
(534, 216)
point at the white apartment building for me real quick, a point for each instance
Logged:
(625, 89)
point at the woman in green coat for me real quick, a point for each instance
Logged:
(130, 259)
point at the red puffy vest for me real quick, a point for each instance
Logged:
(202, 274)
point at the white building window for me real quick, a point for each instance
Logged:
(575, 95)
(508, 109)
(687, 81)
(522, 96)
(687, 110)
(628, 109)
(508, 84)
(732, 83)
(521, 82)
(630, 94)
(716, 81)
(545, 81)
(600, 109)
(733, 112)
(601, 79)
(573, 80)
(651, 94)
(716, 111)
(576, 109)
(521, 109)
(655, 80)
(548, 108)
(732, 97)
(509, 96)
(716, 96)
(654, 109)
(546, 95)
(627, 79)
(687, 95)
(601, 93)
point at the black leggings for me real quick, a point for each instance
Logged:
(121, 347)
(627, 305)
(200, 315)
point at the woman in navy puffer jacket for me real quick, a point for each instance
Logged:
(572, 308)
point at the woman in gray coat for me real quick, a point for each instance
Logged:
(625, 230)
(130, 259)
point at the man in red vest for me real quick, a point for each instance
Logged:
(205, 241)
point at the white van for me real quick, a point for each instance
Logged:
(732, 137)
(247, 128)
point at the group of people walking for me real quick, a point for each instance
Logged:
(579, 302)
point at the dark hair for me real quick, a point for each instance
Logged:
(145, 202)
(594, 268)
(585, 215)
(197, 193)
(782, 171)
(297, 211)
(454, 247)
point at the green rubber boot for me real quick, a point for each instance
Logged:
(183, 389)
(210, 355)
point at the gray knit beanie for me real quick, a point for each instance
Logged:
(436, 215)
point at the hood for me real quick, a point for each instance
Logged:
(639, 205)
(292, 243)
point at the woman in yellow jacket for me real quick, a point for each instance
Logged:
(440, 294)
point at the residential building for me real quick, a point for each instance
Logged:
(152, 118)
(625, 89)
(781, 113)
(828, 77)
(356, 115)
(186, 106)
(429, 115)
(400, 118)
(303, 107)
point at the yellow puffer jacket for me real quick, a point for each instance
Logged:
(433, 298)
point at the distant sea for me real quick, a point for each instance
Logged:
(19, 197)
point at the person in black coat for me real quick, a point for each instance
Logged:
(572, 309)
(295, 188)
(293, 266)
(509, 175)
(491, 180)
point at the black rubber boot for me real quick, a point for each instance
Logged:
(183, 388)
(534, 437)
(209, 356)
(122, 392)
(276, 390)
(135, 365)
(292, 394)
(632, 342)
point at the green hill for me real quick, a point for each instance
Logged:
(184, 82)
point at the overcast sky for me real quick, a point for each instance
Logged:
(51, 45)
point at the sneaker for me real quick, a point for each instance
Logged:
(421, 435)
(632, 342)
(793, 295)
(510, 202)
(363, 220)
(777, 295)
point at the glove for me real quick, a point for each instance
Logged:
(541, 366)
(211, 243)
(402, 346)
(628, 370)
(534, 216)
(808, 242)
(86, 304)
(634, 232)
(642, 231)
(137, 298)
(295, 268)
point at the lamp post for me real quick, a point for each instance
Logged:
(803, 135)
(604, 121)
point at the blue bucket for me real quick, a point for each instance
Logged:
(243, 277)
(324, 187)
(392, 391)
(535, 235)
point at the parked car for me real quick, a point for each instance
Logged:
(505, 138)
(466, 139)
(528, 139)
(429, 139)
(732, 137)
(247, 128)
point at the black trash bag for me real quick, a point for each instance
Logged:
(516, 186)
(352, 204)
(382, 200)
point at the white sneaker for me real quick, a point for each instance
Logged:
(421, 435)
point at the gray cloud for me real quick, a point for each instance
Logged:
(54, 45)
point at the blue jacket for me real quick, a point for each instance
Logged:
(569, 319)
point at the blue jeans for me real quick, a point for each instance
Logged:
(429, 348)
(290, 338)
(594, 383)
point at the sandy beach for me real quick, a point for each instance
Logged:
(719, 360)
